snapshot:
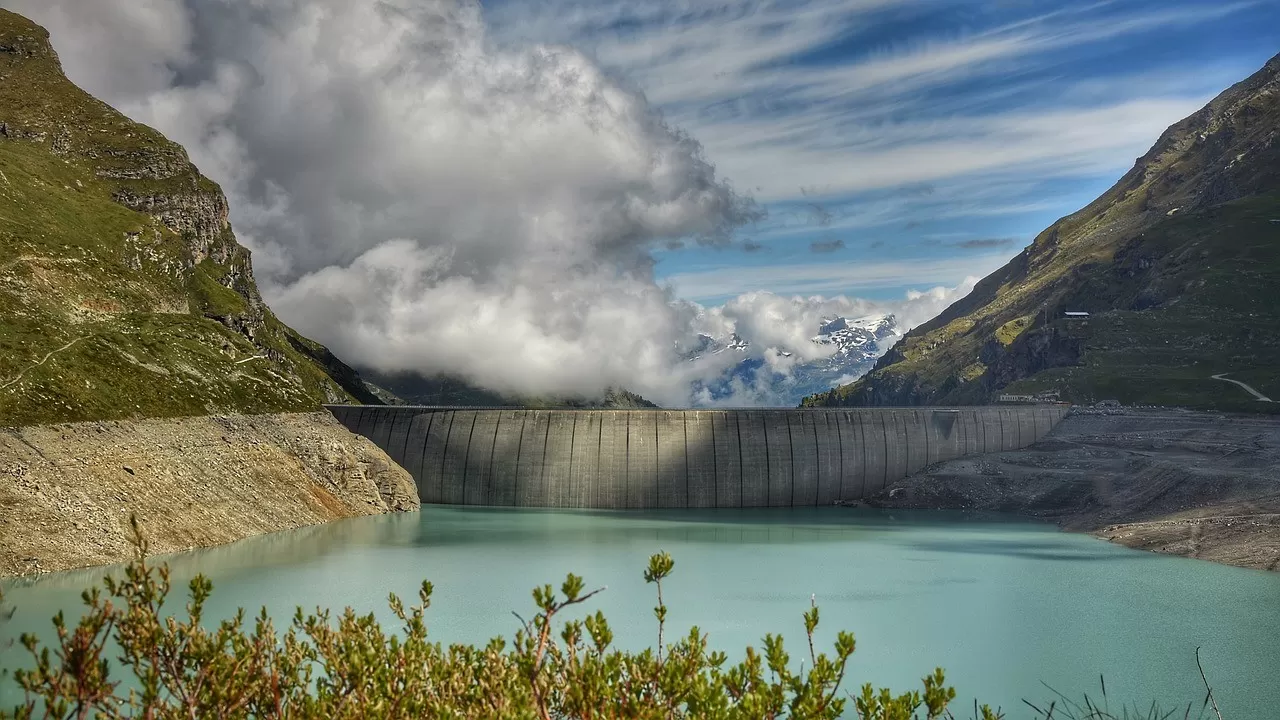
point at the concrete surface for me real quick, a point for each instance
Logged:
(681, 458)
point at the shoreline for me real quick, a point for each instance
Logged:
(192, 482)
(1180, 482)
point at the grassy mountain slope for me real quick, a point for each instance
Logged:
(1178, 265)
(123, 291)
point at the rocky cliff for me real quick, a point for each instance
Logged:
(123, 291)
(1176, 266)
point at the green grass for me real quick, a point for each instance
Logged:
(104, 312)
(1213, 277)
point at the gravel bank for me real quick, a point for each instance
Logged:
(1197, 484)
(66, 491)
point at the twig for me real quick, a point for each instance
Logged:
(1208, 689)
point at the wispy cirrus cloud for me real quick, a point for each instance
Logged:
(714, 284)
(784, 97)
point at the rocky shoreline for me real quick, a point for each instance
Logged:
(1196, 484)
(67, 491)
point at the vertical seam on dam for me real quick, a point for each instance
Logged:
(422, 461)
(768, 471)
(684, 426)
(404, 448)
(741, 468)
(573, 440)
(542, 472)
(626, 481)
(445, 453)
(715, 465)
(866, 471)
(928, 422)
(906, 446)
(466, 454)
(817, 480)
(1000, 416)
(488, 485)
(515, 480)
(885, 432)
(657, 464)
(791, 443)
(391, 433)
(839, 449)
(599, 451)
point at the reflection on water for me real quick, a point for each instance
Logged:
(1001, 604)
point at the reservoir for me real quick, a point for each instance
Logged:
(1002, 605)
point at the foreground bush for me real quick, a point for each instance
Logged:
(350, 667)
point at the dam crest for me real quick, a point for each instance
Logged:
(614, 459)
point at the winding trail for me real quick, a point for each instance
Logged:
(1260, 397)
(42, 361)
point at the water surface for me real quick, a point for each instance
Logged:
(1002, 605)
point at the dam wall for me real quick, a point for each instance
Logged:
(680, 458)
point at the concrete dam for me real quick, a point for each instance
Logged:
(680, 458)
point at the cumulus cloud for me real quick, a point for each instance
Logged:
(420, 198)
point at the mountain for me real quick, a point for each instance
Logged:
(123, 291)
(446, 390)
(854, 344)
(1177, 266)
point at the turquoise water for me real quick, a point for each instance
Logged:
(1001, 605)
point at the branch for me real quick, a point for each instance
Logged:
(1206, 685)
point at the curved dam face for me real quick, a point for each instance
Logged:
(680, 458)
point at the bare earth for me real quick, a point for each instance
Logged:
(66, 491)
(1198, 484)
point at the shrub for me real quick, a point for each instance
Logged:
(348, 666)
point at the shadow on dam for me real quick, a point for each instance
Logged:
(689, 459)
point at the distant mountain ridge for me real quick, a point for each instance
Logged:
(854, 343)
(1177, 265)
(123, 290)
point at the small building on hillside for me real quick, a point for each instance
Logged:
(1076, 315)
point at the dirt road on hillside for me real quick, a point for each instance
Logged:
(1198, 484)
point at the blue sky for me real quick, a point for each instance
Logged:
(903, 144)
